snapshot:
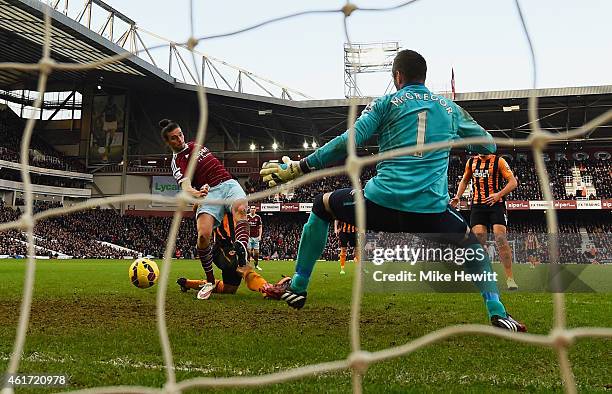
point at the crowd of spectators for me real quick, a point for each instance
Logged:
(528, 183)
(51, 237)
(80, 235)
(307, 192)
(41, 154)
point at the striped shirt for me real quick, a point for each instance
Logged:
(486, 172)
(208, 170)
(346, 228)
(225, 232)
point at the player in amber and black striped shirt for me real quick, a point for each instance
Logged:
(346, 237)
(225, 258)
(488, 173)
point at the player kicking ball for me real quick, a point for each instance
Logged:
(409, 193)
(211, 179)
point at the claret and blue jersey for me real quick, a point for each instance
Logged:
(412, 116)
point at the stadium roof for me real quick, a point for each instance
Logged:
(245, 116)
(504, 113)
(21, 37)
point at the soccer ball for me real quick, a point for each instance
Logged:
(143, 273)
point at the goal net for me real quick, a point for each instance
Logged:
(559, 338)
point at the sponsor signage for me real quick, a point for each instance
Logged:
(165, 186)
(517, 205)
(539, 205)
(606, 204)
(565, 204)
(305, 206)
(270, 207)
(589, 204)
(290, 207)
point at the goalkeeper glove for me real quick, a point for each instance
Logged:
(275, 173)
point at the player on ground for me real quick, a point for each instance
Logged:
(210, 179)
(408, 193)
(488, 206)
(255, 229)
(531, 248)
(224, 257)
(346, 234)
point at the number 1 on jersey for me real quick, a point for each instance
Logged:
(421, 127)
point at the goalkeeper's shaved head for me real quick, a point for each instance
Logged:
(408, 66)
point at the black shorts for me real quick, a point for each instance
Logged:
(224, 257)
(347, 239)
(488, 215)
(447, 226)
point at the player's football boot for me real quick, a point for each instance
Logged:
(206, 291)
(242, 255)
(276, 291)
(342, 272)
(294, 300)
(258, 268)
(508, 323)
(182, 284)
(511, 284)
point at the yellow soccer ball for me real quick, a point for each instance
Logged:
(143, 273)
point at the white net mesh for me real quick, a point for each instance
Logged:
(560, 338)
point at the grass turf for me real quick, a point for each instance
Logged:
(89, 322)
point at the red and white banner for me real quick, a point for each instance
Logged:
(606, 204)
(517, 205)
(290, 207)
(566, 204)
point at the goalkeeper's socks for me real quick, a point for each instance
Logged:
(342, 258)
(494, 305)
(477, 263)
(312, 243)
(206, 258)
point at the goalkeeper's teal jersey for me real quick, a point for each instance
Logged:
(411, 116)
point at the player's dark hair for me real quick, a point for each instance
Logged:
(411, 64)
(167, 126)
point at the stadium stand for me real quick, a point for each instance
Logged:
(41, 154)
(80, 234)
(600, 173)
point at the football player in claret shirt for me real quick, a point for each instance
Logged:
(488, 174)
(255, 229)
(210, 178)
(409, 193)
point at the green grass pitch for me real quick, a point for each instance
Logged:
(89, 322)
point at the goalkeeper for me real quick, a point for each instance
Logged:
(409, 193)
(225, 258)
